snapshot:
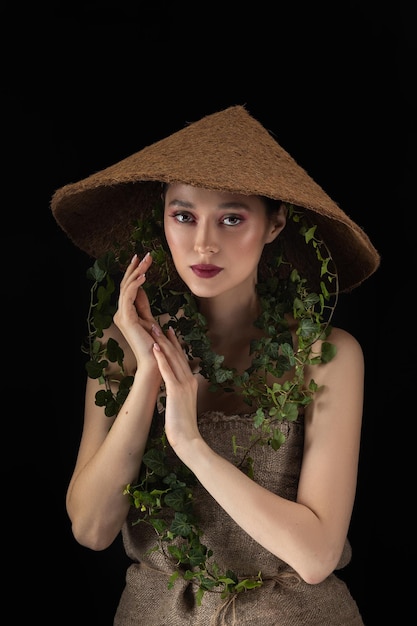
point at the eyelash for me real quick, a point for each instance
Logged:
(184, 214)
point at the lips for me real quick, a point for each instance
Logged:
(206, 270)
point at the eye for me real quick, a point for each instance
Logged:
(183, 217)
(232, 220)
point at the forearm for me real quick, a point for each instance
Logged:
(95, 501)
(290, 530)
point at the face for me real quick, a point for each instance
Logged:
(216, 238)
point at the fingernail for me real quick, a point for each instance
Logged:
(155, 329)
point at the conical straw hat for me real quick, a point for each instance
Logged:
(228, 150)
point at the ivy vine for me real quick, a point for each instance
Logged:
(163, 495)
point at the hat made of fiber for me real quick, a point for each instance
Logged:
(228, 150)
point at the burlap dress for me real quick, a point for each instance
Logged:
(282, 600)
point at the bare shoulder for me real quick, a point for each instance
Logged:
(348, 348)
(345, 341)
(348, 361)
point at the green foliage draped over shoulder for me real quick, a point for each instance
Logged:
(273, 354)
(161, 486)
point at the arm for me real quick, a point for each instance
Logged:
(308, 534)
(111, 449)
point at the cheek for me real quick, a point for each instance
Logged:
(252, 242)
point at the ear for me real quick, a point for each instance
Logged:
(277, 223)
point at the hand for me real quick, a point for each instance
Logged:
(133, 316)
(181, 389)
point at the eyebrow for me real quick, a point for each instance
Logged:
(224, 205)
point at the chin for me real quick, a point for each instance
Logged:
(204, 291)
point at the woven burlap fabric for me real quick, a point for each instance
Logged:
(283, 599)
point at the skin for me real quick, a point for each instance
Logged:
(227, 231)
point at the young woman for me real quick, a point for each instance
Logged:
(230, 464)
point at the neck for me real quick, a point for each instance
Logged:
(230, 315)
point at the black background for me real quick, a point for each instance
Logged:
(87, 84)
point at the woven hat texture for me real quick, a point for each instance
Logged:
(228, 150)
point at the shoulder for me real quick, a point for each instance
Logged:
(348, 361)
(345, 341)
(335, 414)
(347, 346)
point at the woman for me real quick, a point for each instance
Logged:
(234, 504)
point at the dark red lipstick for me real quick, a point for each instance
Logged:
(205, 270)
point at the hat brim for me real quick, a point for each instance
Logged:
(228, 151)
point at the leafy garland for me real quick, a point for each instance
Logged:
(163, 486)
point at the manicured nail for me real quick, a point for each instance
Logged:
(156, 330)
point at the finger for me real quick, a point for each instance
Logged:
(134, 278)
(172, 350)
(179, 380)
(129, 271)
(141, 302)
(135, 268)
(163, 338)
(128, 293)
(165, 368)
(170, 336)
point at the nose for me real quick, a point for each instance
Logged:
(205, 241)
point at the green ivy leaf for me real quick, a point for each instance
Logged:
(155, 460)
(161, 485)
(176, 499)
(328, 351)
(95, 370)
(180, 526)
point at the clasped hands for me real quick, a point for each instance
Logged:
(149, 345)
